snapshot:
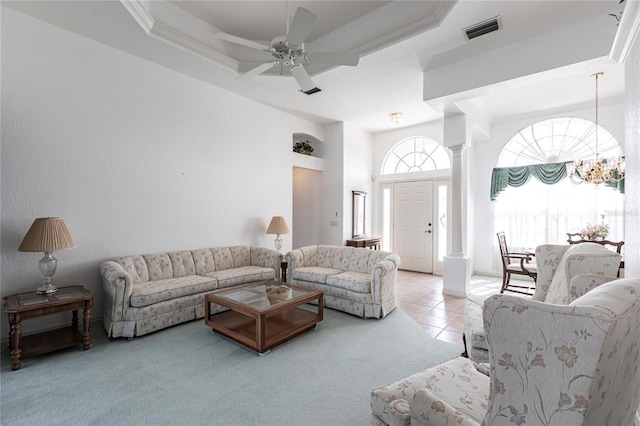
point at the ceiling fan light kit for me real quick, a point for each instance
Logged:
(289, 51)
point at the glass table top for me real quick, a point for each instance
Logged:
(263, 295)
(28, 299)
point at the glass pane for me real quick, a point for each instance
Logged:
(442, 223)
(414, 155)
(386, 219)
(263, 295)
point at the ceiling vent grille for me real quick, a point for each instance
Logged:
(312, 91)
(482, 28)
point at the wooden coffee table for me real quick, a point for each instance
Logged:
(263, 315)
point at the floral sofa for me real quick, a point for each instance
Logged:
(145, 293)
(575, 364)
(557, 265)
(358, 281)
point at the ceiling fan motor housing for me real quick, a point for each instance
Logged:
(285, 53)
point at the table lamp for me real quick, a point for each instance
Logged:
(278, 226)
(47, 234)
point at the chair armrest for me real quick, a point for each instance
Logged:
(399, 414)
(547, 260)
(116, 286)
(427, 409)
(584, 283)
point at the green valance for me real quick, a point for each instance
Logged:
(548, 173)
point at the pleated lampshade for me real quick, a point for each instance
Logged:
(47, 234)
(278, 226)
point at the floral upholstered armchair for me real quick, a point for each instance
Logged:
(575, 364)
(557, 265)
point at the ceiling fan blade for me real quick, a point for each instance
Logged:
(257, 70)
(301, 26)
(242, 41)
(350, 59)
(302, 77)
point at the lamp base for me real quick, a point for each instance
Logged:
(46, 289)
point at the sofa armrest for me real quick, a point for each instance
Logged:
(267, 258)
(582, 284)
(116, 286)
(383, 281)
(427, 409)
(294, 259)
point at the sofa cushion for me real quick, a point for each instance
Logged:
(203, 261)
(456, 380)
(360, 260)
(222, 258)
(135, 266)
(316, 274)
(182, 263)
(159, 266)
(241, 256)
(353, 281)
(310, 255)
(242, 275)
(148, 293)
(474, 328)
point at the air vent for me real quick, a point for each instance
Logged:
(312, 91)
(482, 28)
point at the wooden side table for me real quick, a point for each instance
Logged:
(372, 243)
(30, 305)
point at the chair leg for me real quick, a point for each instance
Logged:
(506, 277)
(464, 342)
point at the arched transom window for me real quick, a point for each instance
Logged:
(557, 140)
(415, 154)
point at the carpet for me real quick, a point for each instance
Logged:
(185, 375)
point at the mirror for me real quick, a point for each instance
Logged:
(358, 214)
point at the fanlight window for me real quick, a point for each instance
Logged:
(416, 154)
(557, 140)
(536, 213)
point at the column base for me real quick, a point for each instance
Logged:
(457, 275)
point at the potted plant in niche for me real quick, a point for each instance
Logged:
(303, 147)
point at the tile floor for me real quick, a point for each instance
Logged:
(420, 296)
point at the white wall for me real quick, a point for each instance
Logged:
(307, 207)
(136, 158)
(358, 168)
(484, 156)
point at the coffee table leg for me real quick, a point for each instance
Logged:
(16, 331)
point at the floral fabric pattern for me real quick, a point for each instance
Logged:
(144, 293)
(337, 272)
(457, 382)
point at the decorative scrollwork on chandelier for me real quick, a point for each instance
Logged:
(597, 170)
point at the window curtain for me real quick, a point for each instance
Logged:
(549, 174)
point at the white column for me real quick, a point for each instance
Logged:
(457, 265)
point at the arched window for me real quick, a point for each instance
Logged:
(536, 213)
(415, 154)
(557, 140)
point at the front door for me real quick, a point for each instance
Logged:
(413, 225)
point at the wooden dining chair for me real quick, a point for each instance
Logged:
(518, 264)
(575, 238)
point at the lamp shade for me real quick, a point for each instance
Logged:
(47, 234)
(278, 226)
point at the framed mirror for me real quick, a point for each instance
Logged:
(358, 219)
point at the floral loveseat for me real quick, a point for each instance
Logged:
(575, 364)
(145, 293)
(358, 281)
(557, 265)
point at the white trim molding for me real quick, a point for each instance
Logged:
(628, 31)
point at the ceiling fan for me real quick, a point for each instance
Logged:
(289, 51)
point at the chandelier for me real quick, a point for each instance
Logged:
(597, 170)
(395, 117)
